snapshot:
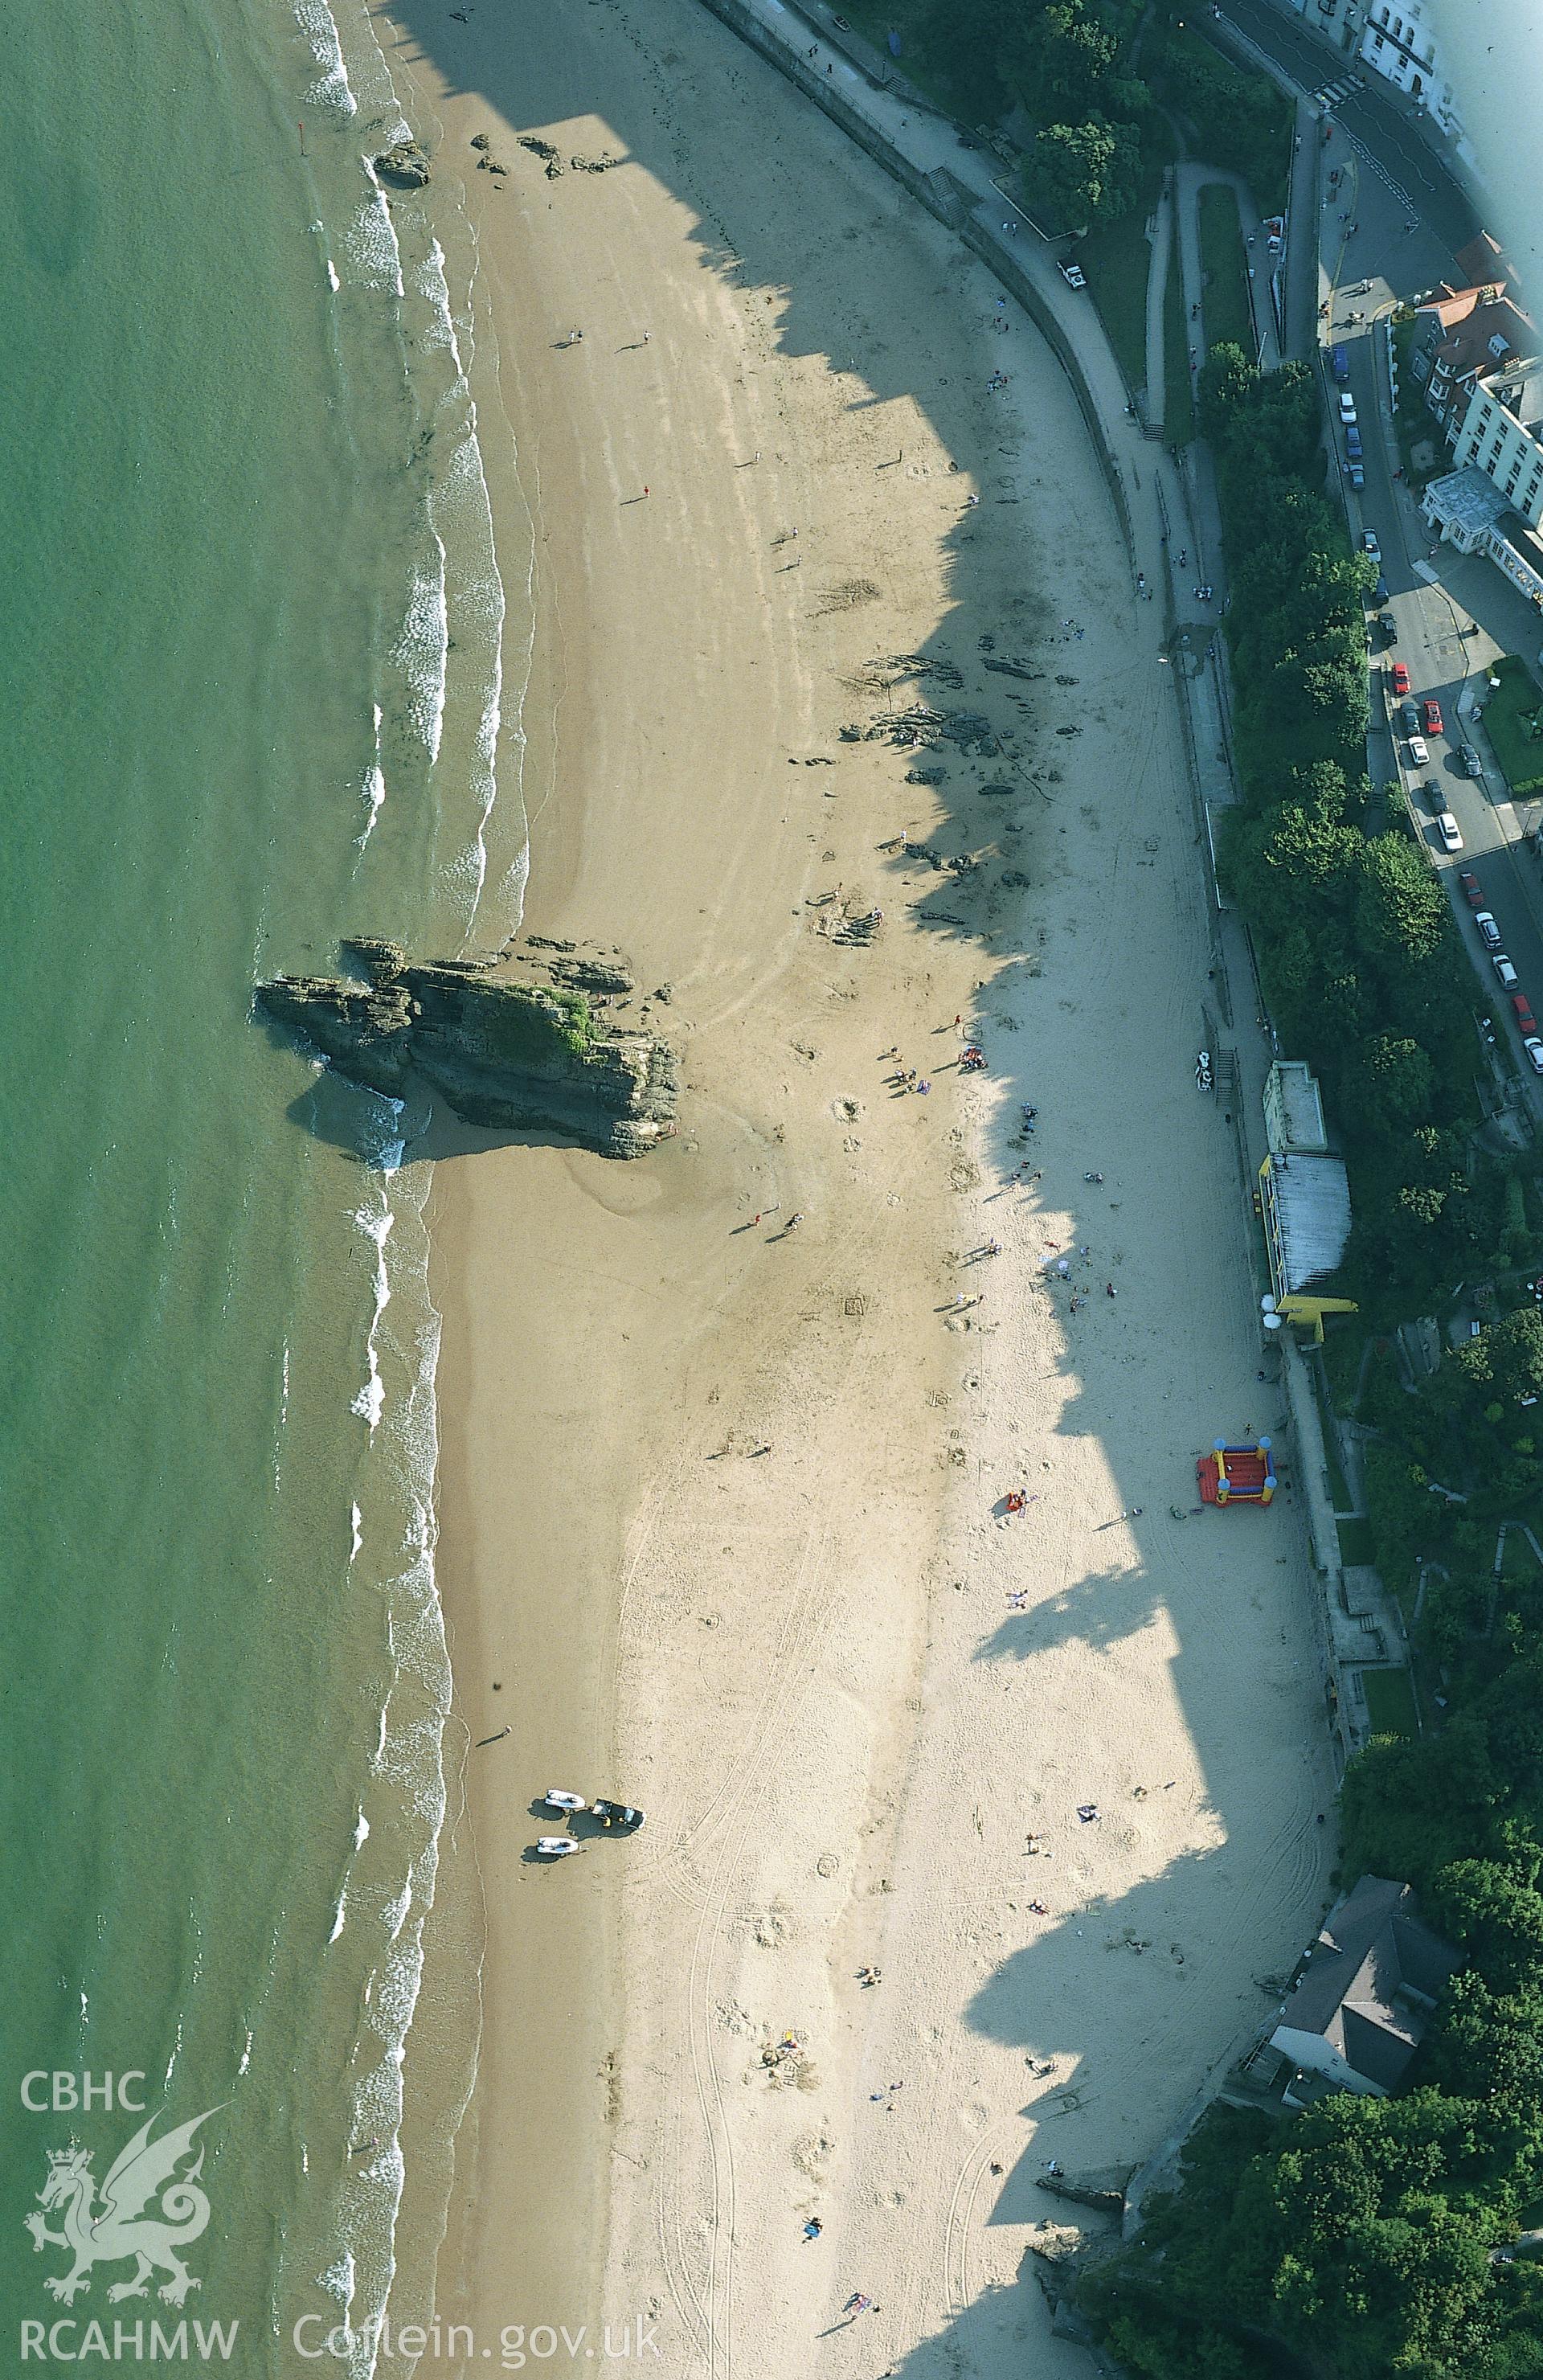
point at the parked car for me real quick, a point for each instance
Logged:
(1379, 594)
(1353, 444)
(1507, 972)
(1432, 716)
(1524, 1016)
(1410, 718)
(1489, 931)
(1401, 678)
(1074, 276)
(1339, 363)
(1533, 1049)
(1419, 754)
(1369, 545)
(1357, 475)
(1471, 893)
(1348, 405)
(1448, 831)
(1471, 762)
(1389, 626)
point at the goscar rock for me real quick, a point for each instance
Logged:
(517, 1055)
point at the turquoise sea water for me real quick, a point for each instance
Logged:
(250, 628)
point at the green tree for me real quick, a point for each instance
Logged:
(1495, 1916)
(1486, 2044)
(1505, 1362)
(1392, 1078)
(1082, 174)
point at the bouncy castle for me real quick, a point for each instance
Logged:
(1236, 1475)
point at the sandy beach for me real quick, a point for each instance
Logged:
(721, 1500)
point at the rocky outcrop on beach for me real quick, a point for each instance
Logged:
(1105, 2189)
(405, 166)
(518, 1052)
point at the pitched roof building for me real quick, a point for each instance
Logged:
(1460, 335)
(1364, 2001)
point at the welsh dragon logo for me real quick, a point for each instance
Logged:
(128, 2223)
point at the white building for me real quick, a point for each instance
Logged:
(1338, 21)
(1492, 503)
(1470, 513)
(1397, 41)
(1501, 434)
(1393, 37)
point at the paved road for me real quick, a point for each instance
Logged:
(1369, 111)
(1442, 663)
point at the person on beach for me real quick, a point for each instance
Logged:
(794, 1220)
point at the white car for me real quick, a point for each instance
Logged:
(1490, 933)
(1447, 828)
(1419, 754)
(1507, 972)
(1533, 1049)
(1369, 545)
(1348, 405)
(1072, 275)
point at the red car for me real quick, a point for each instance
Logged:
(1524, 1016)
(1401, 678)
(1432, 717)
(1471, 893)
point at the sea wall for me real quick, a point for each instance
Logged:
(945, 196)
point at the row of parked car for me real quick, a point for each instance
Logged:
(1421, 717)
(1510, 981)
(1419, 720)
(1355, 460)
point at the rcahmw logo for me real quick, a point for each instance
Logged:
(148, 2207)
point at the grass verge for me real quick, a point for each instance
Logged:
(1117, 258)
(1343, 1345)
(1356, 1549)
(1178, 397)
(1224, 262)
(1517, 699)
(1391, 1703)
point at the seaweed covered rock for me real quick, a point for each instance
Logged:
(510, 1054)
(404, 167)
